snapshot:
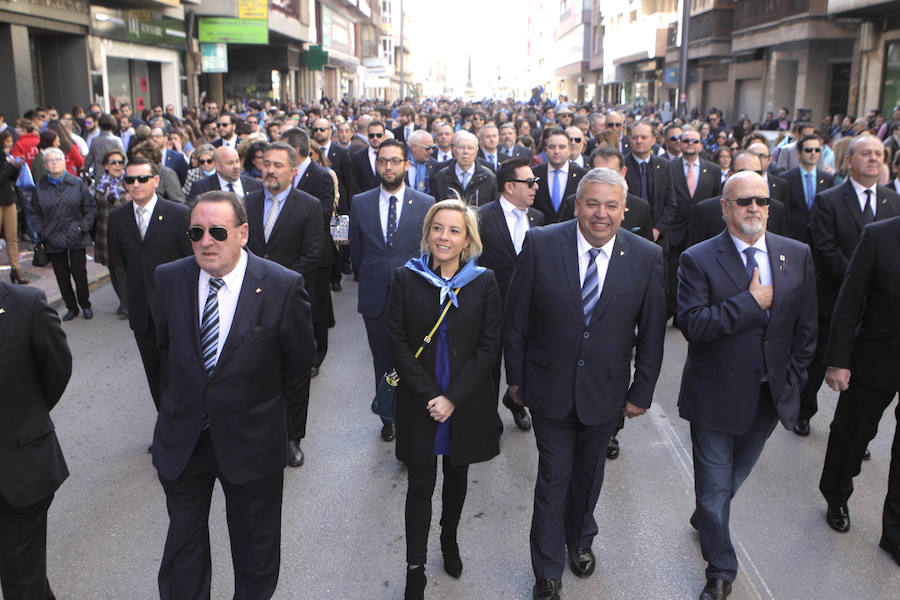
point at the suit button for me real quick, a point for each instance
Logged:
(580, 363)
(587, 335)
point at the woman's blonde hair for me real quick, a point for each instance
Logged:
(474, 247)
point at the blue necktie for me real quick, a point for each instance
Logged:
(590, 286)
(556, 198)
(209, 327)
(493, 162)
(644, 192)
(392, 222)
(810, 190)
(751, 260)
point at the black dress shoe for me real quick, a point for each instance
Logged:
(415, 583)
(838, 517)
(802, 427)
(295, 457)
(892, 549)
(388, 432)
(150, 449)
(867, 455)
(70, 314)
(450, 549)
(546, 589)
(313, 372)
(612, 450)
(520, 415)
(336, 286)
(582, 562)
(716, 589)
(693, 521)
(88, 313)
(122, 313)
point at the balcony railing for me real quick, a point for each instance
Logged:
(751, 13)
(711, 25)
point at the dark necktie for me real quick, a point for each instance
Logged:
(590, 286)
(810, 190)
(209, 327)
(392, 221)
(868, 213)
(645, 193)
(230, 187)
(751, 260)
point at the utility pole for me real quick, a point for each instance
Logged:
(683, 57)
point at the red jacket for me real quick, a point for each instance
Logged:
(26, 146)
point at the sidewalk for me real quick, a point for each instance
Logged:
(43, 278)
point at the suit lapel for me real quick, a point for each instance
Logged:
(191, 289)
(679, 178)
(250, 300)
(617, 265)
(156, 219)
(406, 222)
(881, 207)
(290, 204)
(851, 203)
(569, 255)
(730, 261)
(778, 265)
(503, 229)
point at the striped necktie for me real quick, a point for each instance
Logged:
(590, 286)
(209, 327)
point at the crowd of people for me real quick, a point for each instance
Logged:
(550, 239)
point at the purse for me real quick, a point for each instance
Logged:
(340, 229)
(39, 257)
(384, 404)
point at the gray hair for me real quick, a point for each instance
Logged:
(291, 153)
(462, 134)
(605, 176)
(205, 149)
(236, 202)
(861, 137)
(47, 152)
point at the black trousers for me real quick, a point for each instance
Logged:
(571, 459)
(297, 411)
(376, 332)
(809, 404)
(119, 280)
(321, 312)
(856, 417)
(422, 480)
(146, 343)
(23, 551)
(69, 265)
(673, 255)
(253, 511)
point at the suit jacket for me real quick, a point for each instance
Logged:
(317, 182)
(542, 198)
(518, 151)
(865, 324)
(339, 159)
(731, 341)
(365, 177)
(208, 184)
(369, 254)
(267, 355)
(356, 144)
(498, 253)
(836, 225)
(559, 362)
(177, 162)
(483, 159)
(166, 240)
(482, 186)
(296, 238)
(169, 187)
(662, 192)
(400, 133)
(706, 220)
(36, 367)
(709, 184)
(778, 189)
(798, 215)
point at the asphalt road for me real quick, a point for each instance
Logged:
(343, 533)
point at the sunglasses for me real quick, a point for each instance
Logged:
(616, 125)
(222, 124)
(216, 232)
(115, 162)
(205, 161)
(529, 182)
(811, 150)
(130, 179)
(375, 135)
(674, 138)
(747, 201)
(689, 141)
(576, 140)
(315, 129)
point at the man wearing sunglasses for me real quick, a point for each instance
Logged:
(227, 176)
(747, 357)
(804, 182)
(672, 142)
(422, 167)
(146, 232)
(786, 157)
(364, 172)
(225, 125)
(339, 159)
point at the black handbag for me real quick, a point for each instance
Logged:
(384, 404)
(40, 258)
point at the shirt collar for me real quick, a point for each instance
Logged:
(280, 196)
(232, 279)
(223, 183)
(460, 170)
(509, 208)
(385, 196)
(563, 169)
(150, 206)
(584, 246)
(860, 190)
(741, 245)
(804, 171)
(302, 167)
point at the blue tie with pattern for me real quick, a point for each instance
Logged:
(392, 221)
(209, 327)
(590, 286)
(751, 260)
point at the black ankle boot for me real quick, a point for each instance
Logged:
(452, 562)
(415, 583)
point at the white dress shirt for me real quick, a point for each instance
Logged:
(443, 156)
(460, 171)
(861, 195)
(602, 260)
(227, 297)
(373, 154)
(150, 207)
(509, 211)
(237, 185)
(301, 171)
(232, 143)
(384, 206)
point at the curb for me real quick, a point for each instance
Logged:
(56, 301)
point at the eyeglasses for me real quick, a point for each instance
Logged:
(689, 141)
(115, 162)
(316, 129)
(675, 138)
(217, 232)
(130, 179)
(375, 135)
(253, 122)
(811, 150)
(394, 161)
(747, 201)
(222, 124)
(529, 182)
(576, 140)
(205, 161)
(616, 125)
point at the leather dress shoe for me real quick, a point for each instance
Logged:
(546, 589)
(892, 549)
(581, 561)
(388, 432)
(612, 450)
(295, 455)
(802, 427)
(838, 517)
(336, 286)
(867, 455)
(88, 313)
(520, 415)
(70, 314)
(716, 589)
(313, 372)
(693, 521)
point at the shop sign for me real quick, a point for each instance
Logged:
(214, 58)
(222, 30)
(253, 9)
(137, 26)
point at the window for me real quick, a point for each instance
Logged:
(387, 50)
(386, 11)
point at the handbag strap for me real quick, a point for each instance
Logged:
(428, 337)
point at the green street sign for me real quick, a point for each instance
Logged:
(221, 30)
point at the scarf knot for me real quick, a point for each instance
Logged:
(449, 287)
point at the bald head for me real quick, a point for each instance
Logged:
(745, 161)
(228, 163)
(420, 143)
(745, 206)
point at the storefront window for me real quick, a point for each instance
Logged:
(890, 95)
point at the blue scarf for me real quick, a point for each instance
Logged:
(421, 181)
(110, 185)
(55, 180)
(469, 272)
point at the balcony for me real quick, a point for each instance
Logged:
(369, 49)
(754, 13)
(711, 26)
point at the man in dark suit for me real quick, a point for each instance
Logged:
(863, 343)
(489, 147)
(385, 232)
(227, 178)
(747, 357)
(464, 175)
(226, 125)
(236, 334)
(804, 183)
(706, 220)
(443, 141)
(838, 217)
(649, 177)
(339, 160)
(580, 289)
(285, 226)
(147, 232)
(36, 369)
(406, 117)
(508, 147)
(363, 163)
(422, 167)
(171, 158)
(778, 189)
(502, 225)
(615, 121)
(558, 178)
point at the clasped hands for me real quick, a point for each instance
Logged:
(440, 408)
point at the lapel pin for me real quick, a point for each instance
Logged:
(2, 310)
(781, 261)
(704, 170)
(159, 217)
(621, 253)
(258, 290)
(884, 200)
